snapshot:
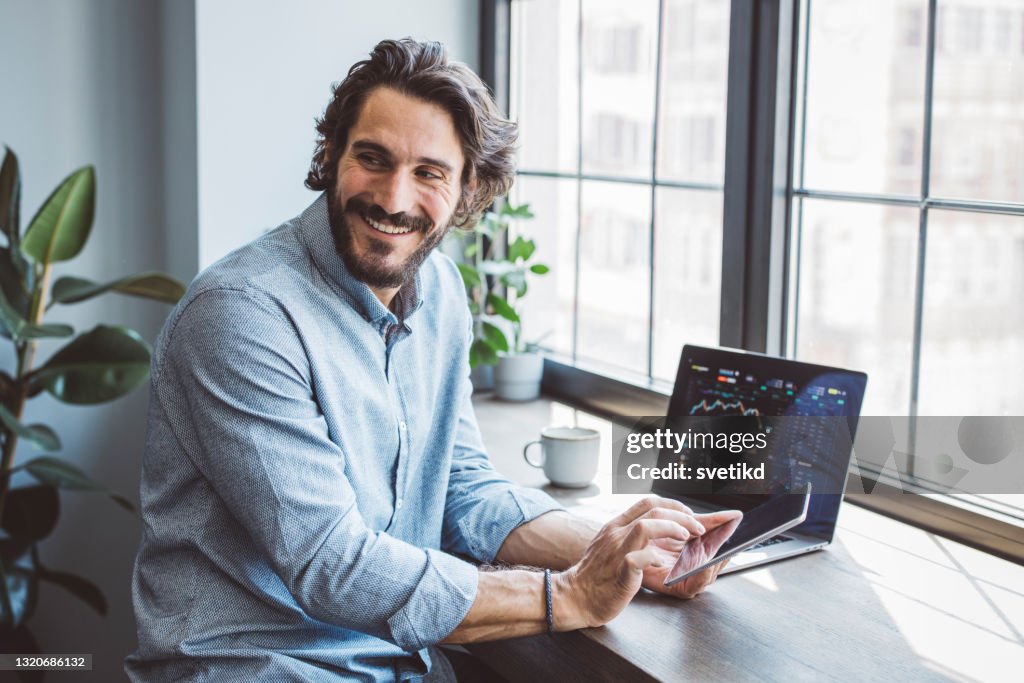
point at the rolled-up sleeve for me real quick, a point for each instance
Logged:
(483, 507)
(235, 384)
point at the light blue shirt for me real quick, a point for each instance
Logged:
(313, 466)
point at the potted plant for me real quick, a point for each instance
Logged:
(98, 366)
(496, 284)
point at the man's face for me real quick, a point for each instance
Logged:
(396, 187)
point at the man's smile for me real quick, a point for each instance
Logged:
(385, 227)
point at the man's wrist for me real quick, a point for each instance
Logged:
(565, 602)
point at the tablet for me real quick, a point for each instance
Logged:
(779, 513)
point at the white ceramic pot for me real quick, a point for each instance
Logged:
(482, 377)
(517, 376)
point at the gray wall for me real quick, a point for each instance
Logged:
(80, 85)
(198, 116)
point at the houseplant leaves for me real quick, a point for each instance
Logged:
(61, 227)
(69, 290)
(39, 434)
(63, 475)
(97, 366)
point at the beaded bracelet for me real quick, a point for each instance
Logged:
(547, 600)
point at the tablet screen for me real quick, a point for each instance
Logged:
(774, 516)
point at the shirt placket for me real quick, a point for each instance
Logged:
(392, 333)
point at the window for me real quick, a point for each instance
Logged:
(901, 240)
(912, 26)
(622, 115)
(915, 278)
(922, 292)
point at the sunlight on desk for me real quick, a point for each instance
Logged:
(975, 630)
(760, 577)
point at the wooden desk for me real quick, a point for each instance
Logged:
(885, 601)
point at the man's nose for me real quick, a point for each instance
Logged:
(394, 194)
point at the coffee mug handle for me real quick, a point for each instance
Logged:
(526, 455)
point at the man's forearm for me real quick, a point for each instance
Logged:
(555, 539)
(604, 568)
(511, 604)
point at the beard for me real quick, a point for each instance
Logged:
(372, 267)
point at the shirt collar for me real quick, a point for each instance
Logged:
(315, 232)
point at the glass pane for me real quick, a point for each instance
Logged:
(695, 69)
(978, 111)
(620, 41)
(687, 274)
(857, 265)
(865, 96)
(548, 308)
(544, 84)
(615, 275)
(972, 348)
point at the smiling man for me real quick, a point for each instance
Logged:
(315, 491)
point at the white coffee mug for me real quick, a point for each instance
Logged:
(568, 455)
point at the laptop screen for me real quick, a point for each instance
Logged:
(718, 382)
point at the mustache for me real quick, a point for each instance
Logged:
(376, 213)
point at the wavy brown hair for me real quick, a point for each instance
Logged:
(423, 70)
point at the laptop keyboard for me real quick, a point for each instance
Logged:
(771, 541)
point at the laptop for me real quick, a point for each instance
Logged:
(820, 403)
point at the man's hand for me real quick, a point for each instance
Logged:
(668, 550)
(631, 549)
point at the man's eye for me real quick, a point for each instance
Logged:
(370, 160)
(429, 175)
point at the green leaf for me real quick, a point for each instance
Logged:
(14, 282)
(59, 473)
(539, 269)
(17, 327)
(471, 250)
(61, 227)
(480, 353)
(521, 211)
(16, 276)
(97, 366)
(494, 337)
(64, 475)
(502, 308)
(10, 197)
(521, 248)
(470, 277)
(31, 513)
(40, 435)
(79, 586)
(69, 290)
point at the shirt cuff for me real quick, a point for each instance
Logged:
(445, 592)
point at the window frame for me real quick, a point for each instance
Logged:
(761, 150)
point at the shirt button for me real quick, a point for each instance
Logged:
(398, 504)
(401, 425)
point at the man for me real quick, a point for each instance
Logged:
(313, 467)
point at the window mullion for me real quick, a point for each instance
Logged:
(757, 176)
(658, 56)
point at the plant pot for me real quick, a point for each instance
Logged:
(517, 376)
(482, 377)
